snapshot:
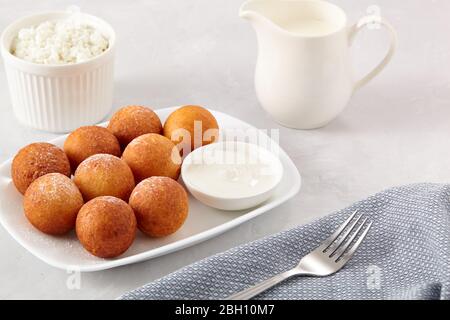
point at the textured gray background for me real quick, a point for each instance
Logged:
(395, 131)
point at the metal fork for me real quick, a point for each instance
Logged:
(325, 260)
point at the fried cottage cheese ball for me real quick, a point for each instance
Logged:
(133, 121)
(87, 141)
(152, 155)
(197, 122)
(51, 203)
(36, 160)
(161, 206)
(104, 175)
(106, 227)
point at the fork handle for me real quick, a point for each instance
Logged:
(262, 286)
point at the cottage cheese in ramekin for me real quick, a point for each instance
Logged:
(60, 69)
(64, 41)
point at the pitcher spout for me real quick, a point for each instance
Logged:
(294, 18)
(251, 10)
(266, 15)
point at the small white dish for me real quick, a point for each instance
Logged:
(202, 223)
(59, 98)
(215, 175)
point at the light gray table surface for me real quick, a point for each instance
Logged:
(395, 131)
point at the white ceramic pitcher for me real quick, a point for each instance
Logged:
(303, 73)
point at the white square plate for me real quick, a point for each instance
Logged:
(203, 222)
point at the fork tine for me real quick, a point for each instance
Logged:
(347, 241)
(349, 254)
(344, 236)
(337, 233)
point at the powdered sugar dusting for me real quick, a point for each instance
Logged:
(112, 200)
(55, 185)
(107, 160)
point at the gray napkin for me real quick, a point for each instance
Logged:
(405, 256)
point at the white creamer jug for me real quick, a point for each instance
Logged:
(304, 75)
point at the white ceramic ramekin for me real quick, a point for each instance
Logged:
(59, 98)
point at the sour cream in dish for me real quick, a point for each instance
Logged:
(232, 175)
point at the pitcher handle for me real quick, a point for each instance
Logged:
(363, 22)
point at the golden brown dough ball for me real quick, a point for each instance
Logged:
(106, 227)
(52, 202)
(186, 118)
(104, 175)
(131, 122)
(87, 141)
(36, 160)
(161, 206)
(152, 155)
